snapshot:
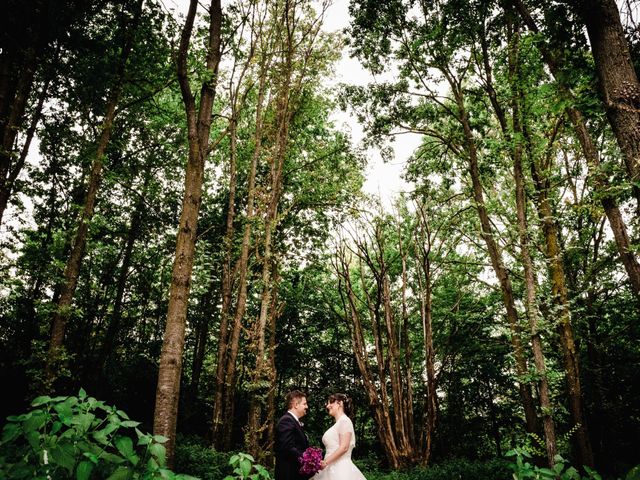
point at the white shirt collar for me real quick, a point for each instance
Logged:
(294, 416)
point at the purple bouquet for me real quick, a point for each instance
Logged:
(310, 461)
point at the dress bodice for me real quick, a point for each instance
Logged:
(343, 468)
(331, 438)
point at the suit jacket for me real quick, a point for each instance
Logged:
(290, 443)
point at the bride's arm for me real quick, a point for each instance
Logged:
(345, 440)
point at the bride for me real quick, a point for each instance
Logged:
(338, 442)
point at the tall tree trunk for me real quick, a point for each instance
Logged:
(14, 96)
(74, 262)
(198, 130)
(389, 371)
(377, 401)
(224, 398)
(532, 308)
(561, 300)
(14, 171)
(619, 85)
(497, 263)
(115, 319)
(202, 329)
(261, 373)
(601, 183)
(531, 302)
(406, 354)
(512, 136)
(423, 245)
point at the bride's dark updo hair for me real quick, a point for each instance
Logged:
(347, 404)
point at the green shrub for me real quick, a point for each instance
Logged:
(79, 437)
(245, 468)
(462, 469)
(522, 469)
(456, 469)
(201, 461)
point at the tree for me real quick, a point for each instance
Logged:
(198, 128)
(74, 262)
(618, 80)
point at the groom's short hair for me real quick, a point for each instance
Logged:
(293, 396)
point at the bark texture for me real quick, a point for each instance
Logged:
(619, 86)
(198, 130)
(601, 183)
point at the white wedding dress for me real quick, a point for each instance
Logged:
(343, 468)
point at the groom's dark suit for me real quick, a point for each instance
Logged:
(291, 442)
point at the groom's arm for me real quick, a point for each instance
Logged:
(286, 431)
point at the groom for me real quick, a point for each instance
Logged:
(291, 441)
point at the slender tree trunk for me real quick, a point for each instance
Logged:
(406, 352)
(619, 85)
(226, 292)
(423, 247)
(561, 300)
(396, 428)
(270, 419)
(403, 424)
(532, 310)
(202, 335)
(616, 221)
(115, 320)
(261, 372)
(512, 135)
(198, 128)
(14, 98)
(14, 172)
(224, 398)
(74, 262)
(531, 302)
(377, 403)
(496, 261)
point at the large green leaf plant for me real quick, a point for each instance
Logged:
(79, 437)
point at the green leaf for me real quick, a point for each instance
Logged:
(83, 420)
(35, 422)
(160, 439)
(245, 466)
(122, 414)
(64, 455)
(571, 473)
(55, 428)
(634, 473)
(82, 394)
(112, 458)
(121, 473)
(130, 423)
(143, 438)
(110, 428)
(101, 437)
(124, 446)
(64, 411)
(159, 452)
(263, 472)
(91, 456)
(547, 472)
(83, 472)
(33, 438)
(10, 432)
(40, 400)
